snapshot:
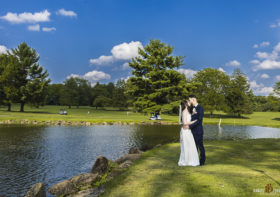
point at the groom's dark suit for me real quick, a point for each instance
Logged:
(197, 131)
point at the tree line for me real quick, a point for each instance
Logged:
(79, 92)
(155, 85)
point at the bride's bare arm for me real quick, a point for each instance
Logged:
(189, 123)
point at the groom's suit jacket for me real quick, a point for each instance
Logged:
(197, 128)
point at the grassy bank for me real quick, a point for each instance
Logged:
(233, 168)
(50, 113)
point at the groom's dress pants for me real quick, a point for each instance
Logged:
(198, 138)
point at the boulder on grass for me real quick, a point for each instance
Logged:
(63, 188)
(158, 145)
(37, 190)
(134, 150)
(125, 164)
(84, 179)
(100, 166)
(130, 157)
(90, 192)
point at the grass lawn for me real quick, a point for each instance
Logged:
(233, 168)
(50, 113)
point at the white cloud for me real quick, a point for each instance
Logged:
(264, 91)
(255, 46)
(253, 84)
(124, 51)
(267, 65)
(276, 24)
(262, 55)
(188, 72)
(27, 17)
(221, 69)
(48, 29)
(254, 61)
(125, 66)
(277, 77)
(263, 44)
(34, 27)
(267, 60)
(64, 12)
(260, 89)
(125, 79)
(92, 76)
(102, 60)
(265, 76)
(233, 63)
(3, 49)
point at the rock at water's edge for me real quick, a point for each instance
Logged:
(100, 166)
(90, 192)
(37, 190)
(63, 188)
(134, 150)
(131, 157)
(84, 179)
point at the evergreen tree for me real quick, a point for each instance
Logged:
(238, 96)
(31, 79)
(155, 81)
(8, 83)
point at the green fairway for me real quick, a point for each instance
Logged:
(233, 168)
(109, 115)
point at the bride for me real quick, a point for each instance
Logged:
(189, 155)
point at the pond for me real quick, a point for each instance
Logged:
(51, 154)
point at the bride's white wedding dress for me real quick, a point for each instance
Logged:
(189, 154)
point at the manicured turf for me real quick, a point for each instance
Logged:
(233, 168)
(47, 113)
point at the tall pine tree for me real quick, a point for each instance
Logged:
(155, 81)
(32, 79)
(239, 94)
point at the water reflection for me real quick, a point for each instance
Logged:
(51, 154)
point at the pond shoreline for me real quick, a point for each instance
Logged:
(88, 123)
(238, 166)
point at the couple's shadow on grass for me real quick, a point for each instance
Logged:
(278, 119)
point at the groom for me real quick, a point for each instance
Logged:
(197, 128)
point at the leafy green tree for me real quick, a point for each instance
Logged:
(102, 101)
(155, 81)
(69, 94)
(211, 90)
(259, 103)
(277, 88)
(273, 103)
(110, 87)
(75, 92)
(99, 90)
(53, 94)
(119, 97)
(31, 79)
(84, 91)
(238, 95)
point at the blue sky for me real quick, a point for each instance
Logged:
(95, 39)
